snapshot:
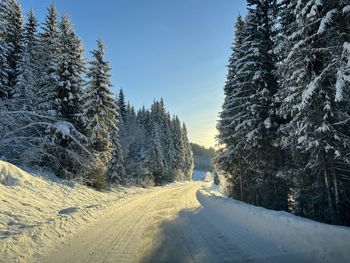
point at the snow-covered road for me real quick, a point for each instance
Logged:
(179, 224)
(46, 219)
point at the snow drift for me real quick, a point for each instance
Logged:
(313, 241)
(11, 175)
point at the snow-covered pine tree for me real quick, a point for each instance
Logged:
(71, 66)
(99, 107)
(155, 138)
(27, 67)
(188, 155)
(128, 127)
(12, 23)
(248, 124)
(67, 103)
(232, 123)
(121, 103)
(3, 54)
(167, 142)
(179, 147)
(137, 163)
(100, 110)
(116, 167)
(47, 88)
(312, 96)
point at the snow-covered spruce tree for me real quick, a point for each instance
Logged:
(121, 103)
(138, 158)
(314, 95)
(188, 155)
(116, 168)
(12, 26)
(271, 189)
(3, 55)
(155, 137)
(71, 66)
(27, 67)
(179, 147)
(67, 102)
(170, 150)
(248, 124)
(232, 123)
(100, 111)
(166, 142)
(128, 127)
(31, 134)
(47, 86)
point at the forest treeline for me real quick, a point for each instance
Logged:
(202, 157)
(284, 125)
(57, 110)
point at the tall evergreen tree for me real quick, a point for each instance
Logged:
(121, 103)
(99, 107)
(12, 26)
(179, 145)
(27, 67)
(4, 68)
(248, 123)
(231, 125)
(116, 169)
(312, 96)
(13, 39)
(188, 155)
(100, 118)
(49, 55)
(71, 67)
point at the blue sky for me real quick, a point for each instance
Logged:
(175, 49)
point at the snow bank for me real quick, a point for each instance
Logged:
(39, 211)
(11, 175)
(315, 241)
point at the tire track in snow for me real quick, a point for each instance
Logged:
(115, 237)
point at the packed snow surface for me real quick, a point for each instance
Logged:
(278, 234)
(39, 211)
(50, 220)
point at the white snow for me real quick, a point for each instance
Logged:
(346, 9)
(37, 211)
(268, 123)
(326, 21)
(11, 175)
(304, 238)
(343, 79)
(63, 127)
(46, 219)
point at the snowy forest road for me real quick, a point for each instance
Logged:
(166, 225)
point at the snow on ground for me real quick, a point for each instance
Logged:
(37, 211)
(11, 175)
(309, 240)
(45, 219)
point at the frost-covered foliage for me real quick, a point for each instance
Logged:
(155, 145)
(56, 112)
(100, 109)
(248, 122)
(306, 141)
